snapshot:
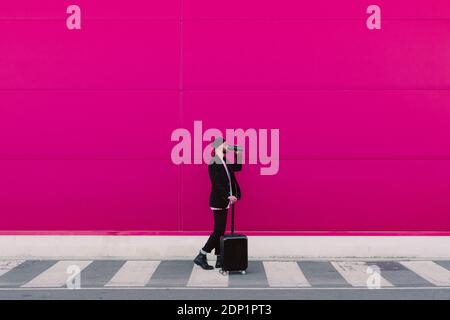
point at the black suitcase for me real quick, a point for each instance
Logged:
(234, 250)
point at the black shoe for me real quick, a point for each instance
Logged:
(218, 262)
(200, 260)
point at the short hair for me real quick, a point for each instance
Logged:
(217, 142)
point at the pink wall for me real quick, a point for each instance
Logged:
(86, 115)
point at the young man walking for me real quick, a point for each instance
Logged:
(224, 192)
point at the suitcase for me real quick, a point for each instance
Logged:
(234, 250)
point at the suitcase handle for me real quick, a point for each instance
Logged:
(232, 218)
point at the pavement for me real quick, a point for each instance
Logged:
(181, 279)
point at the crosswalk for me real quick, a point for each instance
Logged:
(202, 278)
(285, 274)
(57, 275)
(133, 274)
(45, 274)
(6, 266)
(356, 273)
(430, 271)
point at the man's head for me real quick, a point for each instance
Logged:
(220, 146)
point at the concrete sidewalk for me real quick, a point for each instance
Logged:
(132, 247)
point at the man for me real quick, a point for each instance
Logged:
(224, 192)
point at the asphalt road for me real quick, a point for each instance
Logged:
(264, 280)
(228, 294)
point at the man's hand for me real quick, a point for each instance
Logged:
(232, 199)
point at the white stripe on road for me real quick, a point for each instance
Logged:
(207, 278)
(57, 275)
(285, 274)
(7, 265)
(430, 271)
(133, 274)
(356, 273)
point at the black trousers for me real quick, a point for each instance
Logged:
(220, 223)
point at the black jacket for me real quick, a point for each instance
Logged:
(220, 188)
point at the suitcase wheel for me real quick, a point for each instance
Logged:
(243, 272)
